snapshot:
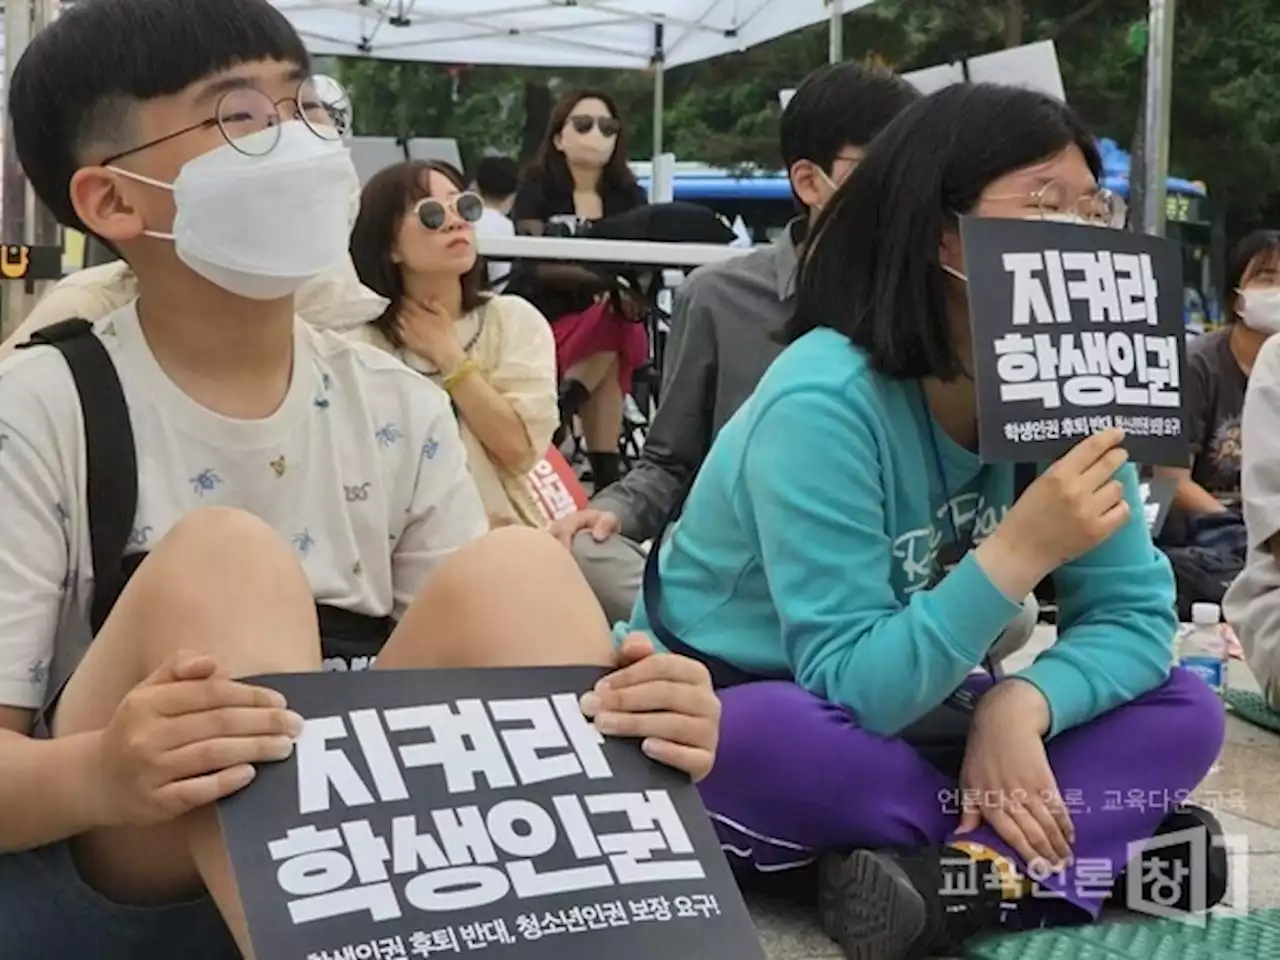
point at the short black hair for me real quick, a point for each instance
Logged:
(73, 90)
(872, 271)
(1259, 245)
(839, 105)
(497, 177)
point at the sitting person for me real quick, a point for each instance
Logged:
(415, 244)
(1252, 604)
(722, 326)
(845, 562)
(188, 135)
(579, 175)
(496, 181)
(1217, 375)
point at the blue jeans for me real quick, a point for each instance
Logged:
(47, 911)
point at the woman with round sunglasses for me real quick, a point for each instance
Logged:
(414, 243)
(845, 563)
(578, 175)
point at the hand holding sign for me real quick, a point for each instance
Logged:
(1071, 508)
(665, 701)
(184, 738)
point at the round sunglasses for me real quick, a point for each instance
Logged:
(434, 214)
(583, 122)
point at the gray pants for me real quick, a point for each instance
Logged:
(615, 570)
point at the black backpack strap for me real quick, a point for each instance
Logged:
(112, 462)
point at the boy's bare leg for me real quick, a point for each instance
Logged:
(513, 598)
(221, 583)
(225, 584)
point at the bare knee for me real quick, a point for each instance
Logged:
(514, 597)
(222, 542)
(221, 582)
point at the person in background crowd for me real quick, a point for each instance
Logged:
(845, 562)
(1252, 604)
(414, 243)
(496, 181)
(722, 326)
(288, 479)
(1217, 376)
(580, 174)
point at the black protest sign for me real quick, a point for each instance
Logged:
(436, 813)
(1076, 330)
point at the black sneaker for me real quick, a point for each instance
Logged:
(880, 905)
(1165, 866)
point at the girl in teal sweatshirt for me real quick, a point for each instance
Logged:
(845, 563)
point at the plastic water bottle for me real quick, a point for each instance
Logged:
(1204, 646)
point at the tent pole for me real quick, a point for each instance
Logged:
(835, 48)
(659, 88)
(18, 17)
(1156, 115)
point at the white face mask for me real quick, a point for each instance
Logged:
(1261, 309)
(1072, 218)
(262, 226)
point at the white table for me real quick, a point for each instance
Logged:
(583, 250)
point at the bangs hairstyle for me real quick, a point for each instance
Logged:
(384, 204)
(548, 165)
(73, 92)
(872, 271)
(1257, 249)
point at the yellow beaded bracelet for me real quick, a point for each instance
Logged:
(459, 373)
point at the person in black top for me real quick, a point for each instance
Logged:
(579, 175)
(1218, 368)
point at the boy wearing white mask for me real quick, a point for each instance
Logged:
(298, 497)
(1218, 368)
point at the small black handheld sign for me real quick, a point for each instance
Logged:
(1076, 329)
(436, 813)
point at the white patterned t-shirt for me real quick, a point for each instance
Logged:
(361, 469)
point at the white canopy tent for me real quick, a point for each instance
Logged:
(617, 34)
(551, 33)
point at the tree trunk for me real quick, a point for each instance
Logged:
(537, 114)
(1014, 14)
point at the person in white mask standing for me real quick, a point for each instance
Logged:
(1217, 375)
(300, 500)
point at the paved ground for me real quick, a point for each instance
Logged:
(1244, 791)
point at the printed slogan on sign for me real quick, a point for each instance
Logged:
(1076, 330)
(438, 813)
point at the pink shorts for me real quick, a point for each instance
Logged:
(600, 329)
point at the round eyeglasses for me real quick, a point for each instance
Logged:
(433, 213)
(1101, 207)
(250, 120)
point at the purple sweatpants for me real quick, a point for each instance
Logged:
(796, 777)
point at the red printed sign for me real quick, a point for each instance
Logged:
(555, 487)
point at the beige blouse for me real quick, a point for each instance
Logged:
(511, 344)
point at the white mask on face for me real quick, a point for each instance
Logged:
(262, 226)
(1072, 218)
(1261, 309)
(947, 268)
